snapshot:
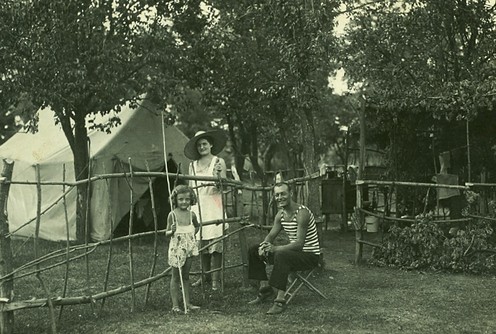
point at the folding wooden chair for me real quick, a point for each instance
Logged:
(301, 278)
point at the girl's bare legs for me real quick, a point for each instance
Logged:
(186, 268)
(174, 288)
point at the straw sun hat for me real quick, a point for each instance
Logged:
(216, 137)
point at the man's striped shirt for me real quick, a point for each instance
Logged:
(290, 225)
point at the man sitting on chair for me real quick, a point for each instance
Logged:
(302, 252)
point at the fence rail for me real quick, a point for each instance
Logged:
(70, 255)
(361, 212)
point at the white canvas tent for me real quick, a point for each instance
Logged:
(137, 140)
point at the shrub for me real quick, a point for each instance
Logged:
(425, 245)
(416, 246)
(471, 249)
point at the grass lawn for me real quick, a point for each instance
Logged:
(362, 299)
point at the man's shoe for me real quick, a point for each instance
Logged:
(263, 294)
(278, 307)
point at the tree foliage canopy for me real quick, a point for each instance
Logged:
(432, 55)
(87, 57)
(266, 68)
(83, 57)
(425, 67)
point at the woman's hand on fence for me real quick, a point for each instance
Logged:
(217, 168)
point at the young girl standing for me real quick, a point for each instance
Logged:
(182, 225)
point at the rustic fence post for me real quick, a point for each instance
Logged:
(359, 194)
(243, 244)
(7, 284)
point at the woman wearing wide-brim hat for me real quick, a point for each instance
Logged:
(202, 149)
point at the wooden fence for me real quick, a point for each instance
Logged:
(384, 215)
(64, 255)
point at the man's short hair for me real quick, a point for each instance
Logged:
(282, 183)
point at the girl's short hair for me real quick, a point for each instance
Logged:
(183, 189)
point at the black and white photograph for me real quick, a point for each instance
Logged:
(263, 166)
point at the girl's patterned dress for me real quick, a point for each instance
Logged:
(182, 243)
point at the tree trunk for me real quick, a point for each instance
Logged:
(268, 155)
(254, 149)
(81, 162)
(310, 162)
(238, 158)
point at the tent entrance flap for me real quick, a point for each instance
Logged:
(143, 220)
